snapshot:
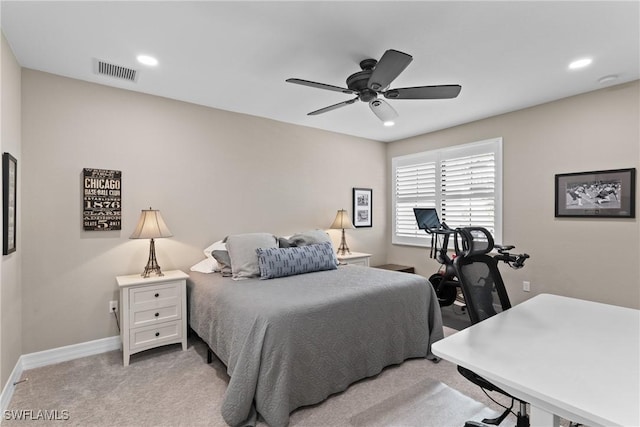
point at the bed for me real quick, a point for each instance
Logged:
(292, 341)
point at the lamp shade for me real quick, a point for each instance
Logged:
(342, 221)
(150, 226)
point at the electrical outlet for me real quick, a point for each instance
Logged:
(113, 306)
(526, 286)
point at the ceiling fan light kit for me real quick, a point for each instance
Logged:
(383, 111)
(375, 77)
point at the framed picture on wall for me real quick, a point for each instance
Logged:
(9, 193)
(597, 194)
(102, 199)
(362, 207)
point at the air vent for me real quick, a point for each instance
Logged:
(118, 71)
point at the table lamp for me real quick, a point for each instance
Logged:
(341, 222)
(151, 226)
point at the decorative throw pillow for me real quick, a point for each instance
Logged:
(242, 252)
(281, 262)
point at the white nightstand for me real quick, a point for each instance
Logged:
(154, 311)
(357, 258)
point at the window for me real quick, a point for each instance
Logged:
(464, 183)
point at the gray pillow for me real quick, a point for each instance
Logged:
(283, 242)
(224, 262)
(242, 252)
(311, 237)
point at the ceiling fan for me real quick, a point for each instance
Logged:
(374, 80)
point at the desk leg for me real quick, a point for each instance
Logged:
(542, 418)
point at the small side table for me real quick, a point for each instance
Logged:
(356, 258)
(153, 311)
(396, 267)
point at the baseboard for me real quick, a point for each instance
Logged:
(55, 355)
(69, 352)
(7, 391)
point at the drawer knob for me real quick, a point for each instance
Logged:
(156, 295)
(157, 334)
(157, 314)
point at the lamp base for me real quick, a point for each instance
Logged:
(343, 249)
(152, 265)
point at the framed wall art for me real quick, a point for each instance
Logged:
(362, 207)
(597, 194)
(102, 199)
(9, 202)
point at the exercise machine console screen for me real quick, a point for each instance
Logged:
(427, 219)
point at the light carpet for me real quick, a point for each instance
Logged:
(170, 387)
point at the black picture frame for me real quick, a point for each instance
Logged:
(362, 212)
(9, 203)
(596, 194)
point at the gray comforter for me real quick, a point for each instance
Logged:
(293, 341)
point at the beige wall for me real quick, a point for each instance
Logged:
(213, 172)
(595, 259)
(210, 172)
(10, 289)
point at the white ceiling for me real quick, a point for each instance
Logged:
(236, 55)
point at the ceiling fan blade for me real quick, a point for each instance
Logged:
(424, 92)
(319, 85)
(383, 110)
(332, 107)
(389, 67)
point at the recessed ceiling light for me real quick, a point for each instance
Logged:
(389, 123)
(580, 63)
(147, 60)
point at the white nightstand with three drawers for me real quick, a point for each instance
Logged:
(154, 311)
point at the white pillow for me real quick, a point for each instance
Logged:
(242, 251)
(207, 265)
(215, 246)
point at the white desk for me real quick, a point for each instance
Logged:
(571, 358)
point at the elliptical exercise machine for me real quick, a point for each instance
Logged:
(444, 281)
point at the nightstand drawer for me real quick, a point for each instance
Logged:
(154, 335)
(355, 258)
(156, 296)
(156, 315)
(359, 261)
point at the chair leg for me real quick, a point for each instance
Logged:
(523, 417)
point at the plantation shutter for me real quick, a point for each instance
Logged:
(415, 187)
(464, 183)
(468, 191)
